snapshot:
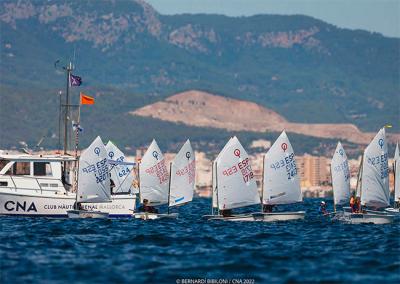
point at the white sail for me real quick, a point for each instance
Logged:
(236, 182)
(122, 175)
(94, 176)
(281, 180)
(153, 176)
(397, 173)
(183, 174)
(214, 176)
(340, 176)
(375, 173)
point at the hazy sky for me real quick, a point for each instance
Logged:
(382, 16)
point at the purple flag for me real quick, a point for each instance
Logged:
(75, 80)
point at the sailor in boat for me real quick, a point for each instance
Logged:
(353, 204)
(397, 203)
(112, 185)
(147, 208)
(227, 213)
(268, 208)
(322, 208)
(358, 207)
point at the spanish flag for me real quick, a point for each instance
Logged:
(86, 100)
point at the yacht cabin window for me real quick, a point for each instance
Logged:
(42, 169)
(21, 169)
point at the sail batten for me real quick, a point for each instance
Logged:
(154, 176)
(281, 180)
(375, 173)
(340, 176)
(183, 169)
(94, 176)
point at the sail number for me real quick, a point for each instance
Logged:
(122, 170)
(383, 162)
(245, 169)
(160, 171)
(100, 170)
(288, 163)
(343, 167)
(190, 170)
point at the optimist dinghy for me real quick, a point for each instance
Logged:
(234, 185)
(153, 182)
(340, 175)
(93, 181)
(374, 183)
(396, 170)
(182, 177)
(281, 183)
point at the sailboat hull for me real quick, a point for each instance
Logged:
(83, 214)
(154, 216)
(240, 218)
(368, 218)
(394, 211)
(34, 203)
(280, 216)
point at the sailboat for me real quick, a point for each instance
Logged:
(182, 177)
(374, 183)
(153, 181)
(121, 170)
(93, 181)
(234, 182)
(281, 183)
(396, 172)
(340, 175)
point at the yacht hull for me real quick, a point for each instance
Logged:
(34, 203)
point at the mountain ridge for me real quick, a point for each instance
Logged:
(201, 109)
(302, 68)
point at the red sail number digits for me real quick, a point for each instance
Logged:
(244, 167)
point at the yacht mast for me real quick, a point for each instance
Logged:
(69, 70)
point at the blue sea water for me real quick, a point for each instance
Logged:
(41, 250)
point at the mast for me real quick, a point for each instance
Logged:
(262, 187)
(333, 192)
(212, 188)
(394, 181)
(138, 178)
(69, 70)
(216, 185)
(359, 176)
(59, 120)
(169, 185)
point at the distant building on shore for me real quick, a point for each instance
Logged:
(313, 170)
